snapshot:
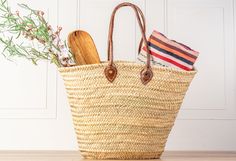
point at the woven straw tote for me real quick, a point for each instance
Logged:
(124, 110)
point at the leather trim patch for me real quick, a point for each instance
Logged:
(146, 75)
(110, 73)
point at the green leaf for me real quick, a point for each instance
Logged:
(2, 9)
(34, 62)
(3, 2)
(4, 50)
(18, 35)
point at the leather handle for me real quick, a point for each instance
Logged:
(142, 18)
(110, 71)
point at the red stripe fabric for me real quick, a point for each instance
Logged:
(169, 53)
(168, 60)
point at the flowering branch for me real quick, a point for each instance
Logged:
(45, 42)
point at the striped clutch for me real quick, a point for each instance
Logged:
(168, 53)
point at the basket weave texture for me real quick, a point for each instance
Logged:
(124, 119)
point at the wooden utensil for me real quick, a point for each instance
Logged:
(83, 48)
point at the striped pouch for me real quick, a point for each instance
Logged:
(168, 53)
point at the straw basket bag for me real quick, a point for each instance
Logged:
(124, 110)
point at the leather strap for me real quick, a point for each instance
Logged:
(141, 15)
(110, 71)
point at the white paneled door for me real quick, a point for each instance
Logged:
(34, 113)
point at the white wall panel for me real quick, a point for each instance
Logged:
(155, 15)
(34, 112)
(207, 118)
(28, 91)
(207, 26)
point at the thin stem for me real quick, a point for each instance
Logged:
(35, 28)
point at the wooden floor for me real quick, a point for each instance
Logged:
(75, 156)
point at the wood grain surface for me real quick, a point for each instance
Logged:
(75, 156)
(83, 48)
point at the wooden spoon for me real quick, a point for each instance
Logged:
(83, 48)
